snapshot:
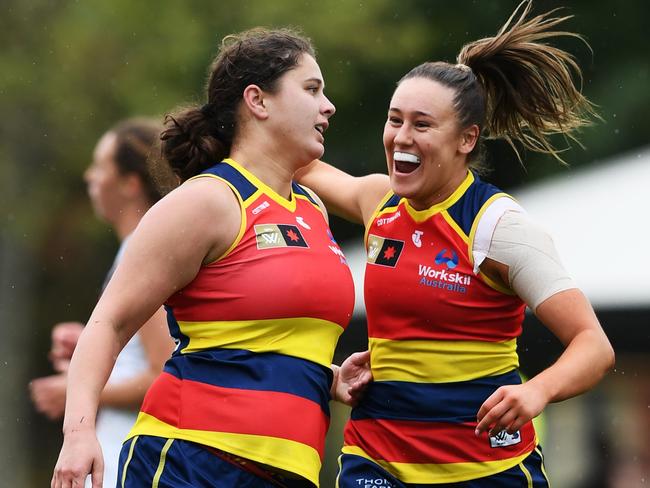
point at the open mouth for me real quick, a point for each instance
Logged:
(405, 162)
(320, 128)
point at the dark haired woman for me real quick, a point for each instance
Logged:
(451, 264)
(256, 290)
(121, 190)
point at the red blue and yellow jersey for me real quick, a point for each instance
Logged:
(256, 332)
(442, 339)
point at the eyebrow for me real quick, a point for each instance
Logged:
(416, 112)
(315, 80)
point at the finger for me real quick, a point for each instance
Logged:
(516, 424)
(503, 422)
(491, 417)
(61, 365)
(489, 404)
(97, 475)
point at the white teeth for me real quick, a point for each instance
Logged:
(320, 128)
(406, 157)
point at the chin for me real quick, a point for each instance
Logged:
(401, 188)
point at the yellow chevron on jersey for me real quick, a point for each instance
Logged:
(293, 455)
(442, 473)
(431, 361)
(301, 337)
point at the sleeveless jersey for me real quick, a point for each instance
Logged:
(442, 340)
(256, 332)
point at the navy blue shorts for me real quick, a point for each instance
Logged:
(157, 462)
(359, 472)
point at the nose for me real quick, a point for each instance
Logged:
(403, 137)
(328, 107)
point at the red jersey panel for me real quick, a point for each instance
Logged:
(442, 340)
(256, 332)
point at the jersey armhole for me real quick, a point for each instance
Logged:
(242, 225)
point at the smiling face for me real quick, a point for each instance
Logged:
(299, 111)
(426, 150)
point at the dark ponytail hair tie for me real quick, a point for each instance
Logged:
(206, 110)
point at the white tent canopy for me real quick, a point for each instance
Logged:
(599, 219)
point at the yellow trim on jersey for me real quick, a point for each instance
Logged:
(427, 361)
(378, 211)
(439, 473)
(477, 218)
(128, 460)
(495, 285)
(303, 337)
(313, 195)
(285, 454)
(161, 463)
(242, 206)
(452, 223)
(421, 215)
(270, 192)
(470, 245)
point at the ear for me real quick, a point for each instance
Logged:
(132, 185)
(468, 139)
(254, 101)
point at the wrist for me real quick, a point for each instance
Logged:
(83, 424)
(335, 381)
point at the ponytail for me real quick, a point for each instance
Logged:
(528, 84)
(190, 143)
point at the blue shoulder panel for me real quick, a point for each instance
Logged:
(299, 190)
(234, 177)
(391, 202)
(465, 209)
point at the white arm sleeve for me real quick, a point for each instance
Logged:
(535, 271)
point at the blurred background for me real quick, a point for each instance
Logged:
(70, 69)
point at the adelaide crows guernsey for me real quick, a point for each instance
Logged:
(442, 339)
(255, 333)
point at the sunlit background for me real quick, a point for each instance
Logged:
(70, 69)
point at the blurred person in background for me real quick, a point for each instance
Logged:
(256, 289)
(452, 263)
(121, 189)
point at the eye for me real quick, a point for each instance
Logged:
(422, 125)
(394, 121)
(313, 89)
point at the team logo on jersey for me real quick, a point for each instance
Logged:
(383, 251)
(503, 439)
(415, 237)
(278, 235)
(450, 261)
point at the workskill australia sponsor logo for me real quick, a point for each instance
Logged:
(383, 251)
(440, 276)
(278, 235)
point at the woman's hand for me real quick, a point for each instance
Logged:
(48, 395)
(65, 336)
(510, 407)
(352, 378)
(80, 455)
